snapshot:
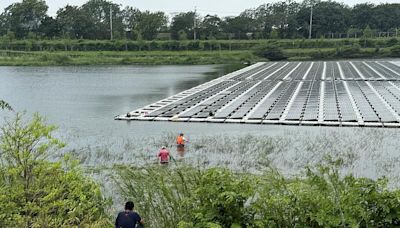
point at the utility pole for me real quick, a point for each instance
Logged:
(111, 23)
(311, 19)
(194, 24)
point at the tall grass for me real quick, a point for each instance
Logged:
(158, 192)
(363, 152)
(187, 196)
(16, 58)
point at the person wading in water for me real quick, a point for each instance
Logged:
(180, 140)
(163, 156)
(180, 145)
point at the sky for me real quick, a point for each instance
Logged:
(220, 7)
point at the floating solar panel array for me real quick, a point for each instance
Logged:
(344, 93)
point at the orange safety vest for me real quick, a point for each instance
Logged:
(180, 140)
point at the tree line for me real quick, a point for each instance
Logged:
(102, 19)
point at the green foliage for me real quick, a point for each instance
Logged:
(280, 19)
(220, 198)
(182, 25)
(365, 42)
(349, 51)
(227, 45)
(111, 57)
(5, 106)
(62, 59)
(158, 192)
(392, 42)
(395, 51)
(24, 17)
(192, 197)
(367, 32)
(271, 52)
(37, 193)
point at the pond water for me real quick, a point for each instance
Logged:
(83, 101)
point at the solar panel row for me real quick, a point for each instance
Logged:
(344, 91)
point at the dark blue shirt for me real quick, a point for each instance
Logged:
(127, 219)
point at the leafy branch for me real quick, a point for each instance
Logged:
(5, 106)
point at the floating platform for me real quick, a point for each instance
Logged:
(332, 93)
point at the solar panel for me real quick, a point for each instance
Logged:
(338, 92)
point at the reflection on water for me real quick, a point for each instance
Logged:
(180, 150)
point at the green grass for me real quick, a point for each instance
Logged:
(16, 58)
(183, 57)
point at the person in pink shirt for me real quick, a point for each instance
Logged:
(163, 155)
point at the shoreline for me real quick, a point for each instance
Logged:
(86, 58)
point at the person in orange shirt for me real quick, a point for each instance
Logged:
(180, 140)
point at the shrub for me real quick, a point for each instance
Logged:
(365, 43)
(271, 52)
(395, 51)
(61, 59)
(322, 54)
(392, 42)
(349, 51)
(37, 193)
(217, 197)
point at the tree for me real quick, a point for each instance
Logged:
(183, 22)
(74, 23)
(25, 17)
(37, 193)
(49, 27)
(98, 13)
(362, 15)
(367, 32)
(263, 20)
(239, 25)
(386, 16)
(130, 19)
(210, 27)
(3, 24)
(328, 18)
(283, 18)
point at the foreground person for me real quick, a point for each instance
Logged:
(128, 218)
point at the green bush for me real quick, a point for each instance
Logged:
(216, 197)
(271, 52)
(37, 193)
(392, 42)
(61, 59)
(167, 45)
(319, 54)
(367, 43)
(349, 51)
(395, 51)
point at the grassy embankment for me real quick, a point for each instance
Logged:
(89, 52)
(44, 58)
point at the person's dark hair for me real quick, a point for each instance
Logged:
(181, 134)
(129, 205)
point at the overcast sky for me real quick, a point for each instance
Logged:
(219, 7)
